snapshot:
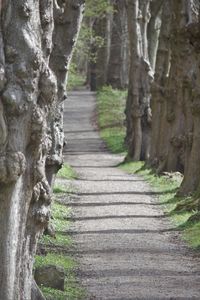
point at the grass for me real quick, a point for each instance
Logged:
(75, 79)
(110, 108)
(59, 260)
(111, 117)
(166, 189)
(56, 247)
(62, 189)
(67, 172)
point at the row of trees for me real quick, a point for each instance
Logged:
(102, 52)
(162, 110)
(164, 84)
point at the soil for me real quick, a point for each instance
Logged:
(126, 247)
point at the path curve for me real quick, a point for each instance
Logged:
(123, 241)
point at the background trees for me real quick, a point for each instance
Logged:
(162, 106)
(105, 50)
(162, 37)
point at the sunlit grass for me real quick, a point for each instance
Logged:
(67, 172)
(111, 118)
(62, 189)
(73, 290)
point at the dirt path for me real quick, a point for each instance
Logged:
(124, 243)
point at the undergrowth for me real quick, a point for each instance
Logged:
(55, 248)
(111, 106)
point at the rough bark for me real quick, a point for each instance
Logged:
(138, 114)
(168, 127)
(117, 77)
(191, 102)
(175, 117)
(29, 92)
(159, 126)
(67, 24)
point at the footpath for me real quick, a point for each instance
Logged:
(125, 245)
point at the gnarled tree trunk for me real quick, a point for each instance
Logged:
(138, 102)
(191, 99)
(31, 90)
(159, 128)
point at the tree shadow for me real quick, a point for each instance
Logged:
(75, 219)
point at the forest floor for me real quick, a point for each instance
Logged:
(125, 245)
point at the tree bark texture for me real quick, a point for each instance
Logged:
(191, 102)
(175, 104)
(159, 126)
(138, 115)
(36, 41)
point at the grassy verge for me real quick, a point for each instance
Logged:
(55, 248)
(111, 105)
(111, 117)
(166, 188)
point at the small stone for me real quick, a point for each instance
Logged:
(50, 276)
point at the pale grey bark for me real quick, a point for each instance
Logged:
(154, 30)
(138, 114)
(30, 90)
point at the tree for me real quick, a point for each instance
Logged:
(190, 55)
(100, 42)
(118, 62)
(159, 126)
(138, 115)
(36, 42)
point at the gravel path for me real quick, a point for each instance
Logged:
(125, 245)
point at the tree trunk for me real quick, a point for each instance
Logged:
(30, 90)
(191, 107)
(175, 115)
(64, 38)
(138, 101)
(118, 51)
(153, 30)
(101, 30)
(168, 125)
(159, 128)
